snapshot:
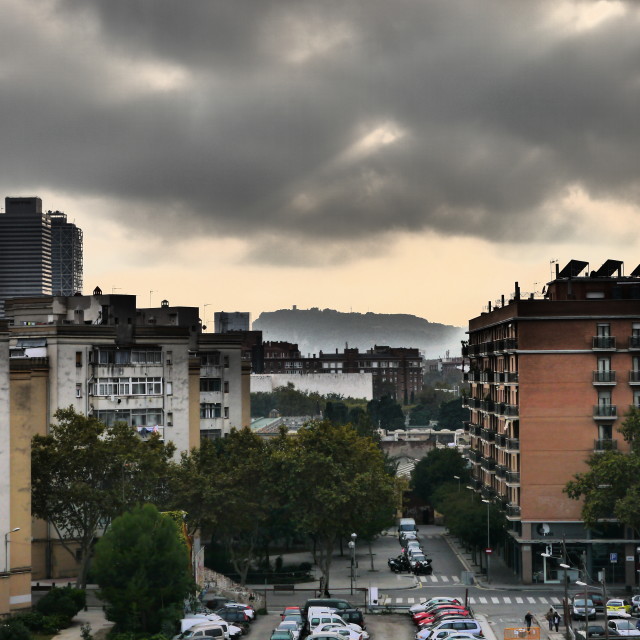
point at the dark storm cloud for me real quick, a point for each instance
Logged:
(322, 119)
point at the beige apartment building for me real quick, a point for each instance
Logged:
(99, 354)
(551, 379)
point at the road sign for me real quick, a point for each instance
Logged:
(613, 558)
(488, 551)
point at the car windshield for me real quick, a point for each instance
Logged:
(614, 603)
(580, 603)
(624, 625)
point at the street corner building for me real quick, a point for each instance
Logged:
(551, 379)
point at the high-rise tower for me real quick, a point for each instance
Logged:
(66, 255)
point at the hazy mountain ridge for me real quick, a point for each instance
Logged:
(327, 330)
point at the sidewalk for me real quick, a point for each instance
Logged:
(94, 617)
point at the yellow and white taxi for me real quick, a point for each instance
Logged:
(618, 608)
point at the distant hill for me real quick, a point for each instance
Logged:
(327, 330)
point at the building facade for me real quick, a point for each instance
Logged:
(105, 358)
(66, 255)
(395, 371)
(550, 381)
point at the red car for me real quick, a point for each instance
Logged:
(432, 613)
(288, 611)
(428, 622)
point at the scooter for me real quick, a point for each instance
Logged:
(399, 564)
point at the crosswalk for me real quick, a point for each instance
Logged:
(548, 600)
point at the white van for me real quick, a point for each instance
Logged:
(317, 616)
(406, 524)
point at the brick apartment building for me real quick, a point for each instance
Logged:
(550, 381)
(396, 371)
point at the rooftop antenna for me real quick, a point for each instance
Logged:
(551, 263)
(150, 292)
(114, 289)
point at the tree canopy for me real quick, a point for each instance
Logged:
(84, 474)
(438, 468)
(142, 567)
(611, 486)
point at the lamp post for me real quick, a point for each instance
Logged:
(6, 548)
(586, 614)
(488, 549)
(352, 546)
(458, 479)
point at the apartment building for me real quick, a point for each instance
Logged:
(396, 371)
(153, 369)
(550, 381)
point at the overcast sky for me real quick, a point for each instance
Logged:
(399, 156)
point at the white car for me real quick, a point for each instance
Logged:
(345, 632)
(290, 625)
(622, 628)
(319, 617)
(422, 606)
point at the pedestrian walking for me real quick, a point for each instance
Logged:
(528, 619)
(556, 620)
(549, 618)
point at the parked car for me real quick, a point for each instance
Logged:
(290, 625)
(594, 631)
(326, 603)
(578, 608)
(597, 599)
(425, 604)
(353, 616)
(442, 617)
(635, 603)
(622, 628)
(618, 608)
(467, 625)
(282, 635)
(422, 619)
(345, 632)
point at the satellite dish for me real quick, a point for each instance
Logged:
(544, 529)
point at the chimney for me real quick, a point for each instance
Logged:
(517, 296)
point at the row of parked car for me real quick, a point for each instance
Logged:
(594, 604)
(445, 618)
(412, 555)
(321, 619)
(228, 621)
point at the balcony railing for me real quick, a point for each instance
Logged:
(475, 429)
(605, 444)
(634, 342)
(513, 444)
(513, 477)
(488, 464)
(634, 377)
(608, 343)
(510, 344)
(488, 493)
(605, 411)
(501, 440)
(513, 511)
(488, 435)
(486, 376)
(474, 455)
(604, 377)
(501, 471)
(511, 410)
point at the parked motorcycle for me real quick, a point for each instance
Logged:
(422, 567)
(399, 564)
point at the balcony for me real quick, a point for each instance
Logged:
(146, 433)
(510, 344)
(498, 346)
(472, 376)
(513, 511)
(501, 471)
(475, 484)
(634, 342)
(510, 377)
(487, 435)
(466, 425)
(474, 456)
(487, 405)
(513, 444)
(604, 343)
(511, 410)
(605, 444)
(501, 440)
(605, 412)
(634, 377)
(486, 376)
(604, 377)
(488, 493)
(488, 464)
(475, 429)
(470, 403)
(513, 478)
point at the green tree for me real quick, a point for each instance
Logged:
(84, 473)
(452, 414)
(437, 468)
(336, 412)
(422, 414)
(142, 567)
(611, 486)
(386, 413)
(335, 481)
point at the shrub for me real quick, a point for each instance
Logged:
(65, 601)
(13, 629)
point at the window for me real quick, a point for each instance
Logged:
(78, 391)
(133, 417)
(226, 362)
(226, 386)
(127, 386)
(169, 388)
(210, 410)
(210, 384)
(604, 330)
(210, 434)
(169, 418)
(78, 358)
(210, 358)
(226, 412)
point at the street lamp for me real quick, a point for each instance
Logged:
(488, 550)
(458, 479)
(586, 613)
(352, 546)
(6, 548)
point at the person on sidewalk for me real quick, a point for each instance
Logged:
(556, 620)
(549, 617)
(528, 619)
